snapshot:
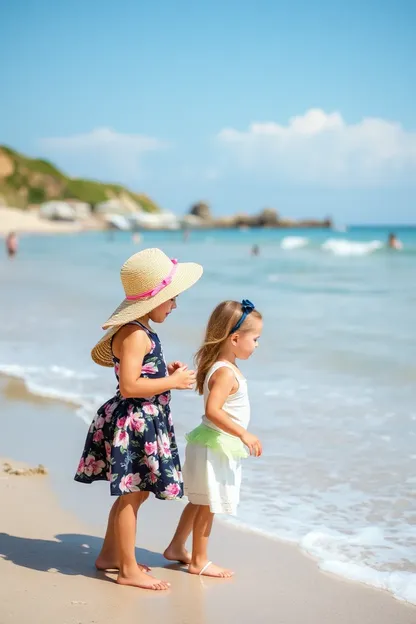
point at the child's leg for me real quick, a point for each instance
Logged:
(176, 551)
(201, 531)
(109, 559)
(125, 530)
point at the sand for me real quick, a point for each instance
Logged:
(15, 220)
(48, 576)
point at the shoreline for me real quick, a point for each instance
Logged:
(30, 223)
(71, 505)
(57, 551)
(15, 388)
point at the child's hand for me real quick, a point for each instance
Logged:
(173, 366)
(183, 379)
(252, 443)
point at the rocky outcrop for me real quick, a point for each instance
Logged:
(201, 210)
(266, 218)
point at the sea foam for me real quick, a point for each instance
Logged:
(293, 242)
(344, 247)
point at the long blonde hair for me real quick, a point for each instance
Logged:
(222, 320)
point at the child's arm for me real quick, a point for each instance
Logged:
(133, 349)
(221, 384)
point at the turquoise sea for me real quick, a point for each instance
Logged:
(332, 385)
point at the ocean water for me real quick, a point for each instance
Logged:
(332, 385)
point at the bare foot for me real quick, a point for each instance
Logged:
(140, 579)
(108, 564)
(210, 569)
(180, 554)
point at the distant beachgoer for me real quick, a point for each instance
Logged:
(11, 244)
(212, 470)
(131, 441)
(136, 238)
(255, 250)
(185, 235)
(394, 242)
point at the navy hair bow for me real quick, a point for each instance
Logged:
(247, 307)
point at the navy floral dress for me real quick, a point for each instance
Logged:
(131, 442)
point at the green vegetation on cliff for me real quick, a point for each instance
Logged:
(25, 181)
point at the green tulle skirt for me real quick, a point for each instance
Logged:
(217, 441)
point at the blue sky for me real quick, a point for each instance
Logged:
(305, 106)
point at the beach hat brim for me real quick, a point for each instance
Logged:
(102, 353)
(186, 275)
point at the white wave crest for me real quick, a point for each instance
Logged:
(344, 247)
(68, 373)
(293, 242)
(58, 372)
(332, 551)
(18, 371)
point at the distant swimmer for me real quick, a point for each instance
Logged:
(11, 244)
(136, 238)
(255, 250)
(394, 242)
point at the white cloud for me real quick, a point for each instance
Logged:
(322, 148)
(103, 151)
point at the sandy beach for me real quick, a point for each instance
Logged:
(20, 221)
(48, 574)
(47, 553)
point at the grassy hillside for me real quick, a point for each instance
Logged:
(25, 181)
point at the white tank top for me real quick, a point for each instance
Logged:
(237, 405)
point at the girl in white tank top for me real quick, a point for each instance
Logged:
(212, 470)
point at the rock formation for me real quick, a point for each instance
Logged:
(201, 210)
(266, 218)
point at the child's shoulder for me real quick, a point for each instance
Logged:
(131, 329)
(222, 372)
(225, 367)
(133, 334)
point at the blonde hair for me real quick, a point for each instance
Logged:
(219, 327)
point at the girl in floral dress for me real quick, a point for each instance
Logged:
(131, 441)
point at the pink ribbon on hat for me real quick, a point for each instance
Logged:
(165, 282)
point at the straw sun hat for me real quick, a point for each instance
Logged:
(149, 279)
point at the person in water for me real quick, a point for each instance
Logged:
(394, 242)
(11, 244)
